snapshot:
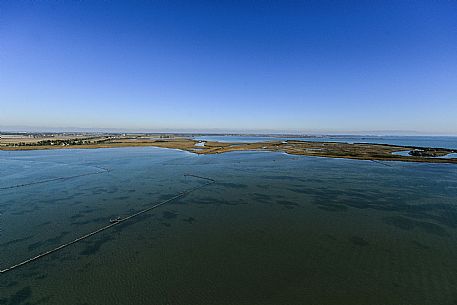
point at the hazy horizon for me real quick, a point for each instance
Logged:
(29, 129)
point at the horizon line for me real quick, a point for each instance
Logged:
(219, 131)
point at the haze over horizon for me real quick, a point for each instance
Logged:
(299, 67)
(44, 129)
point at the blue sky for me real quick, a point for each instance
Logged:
(298, 66)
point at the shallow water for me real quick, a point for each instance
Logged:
(450, 156)
(404, 153)
(274, 229)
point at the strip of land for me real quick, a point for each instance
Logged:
(361, 151)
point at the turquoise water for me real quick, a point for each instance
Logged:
(419, 141)
(273, 229)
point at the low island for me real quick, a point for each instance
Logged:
(361, 151)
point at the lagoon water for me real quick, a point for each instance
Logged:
(273, 229)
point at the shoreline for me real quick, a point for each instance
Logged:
(357, 151)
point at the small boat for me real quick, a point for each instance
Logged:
(115, 220)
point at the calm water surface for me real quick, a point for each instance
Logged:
(274, 229)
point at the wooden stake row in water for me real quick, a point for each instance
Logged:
(103, 170)
(182, 194)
